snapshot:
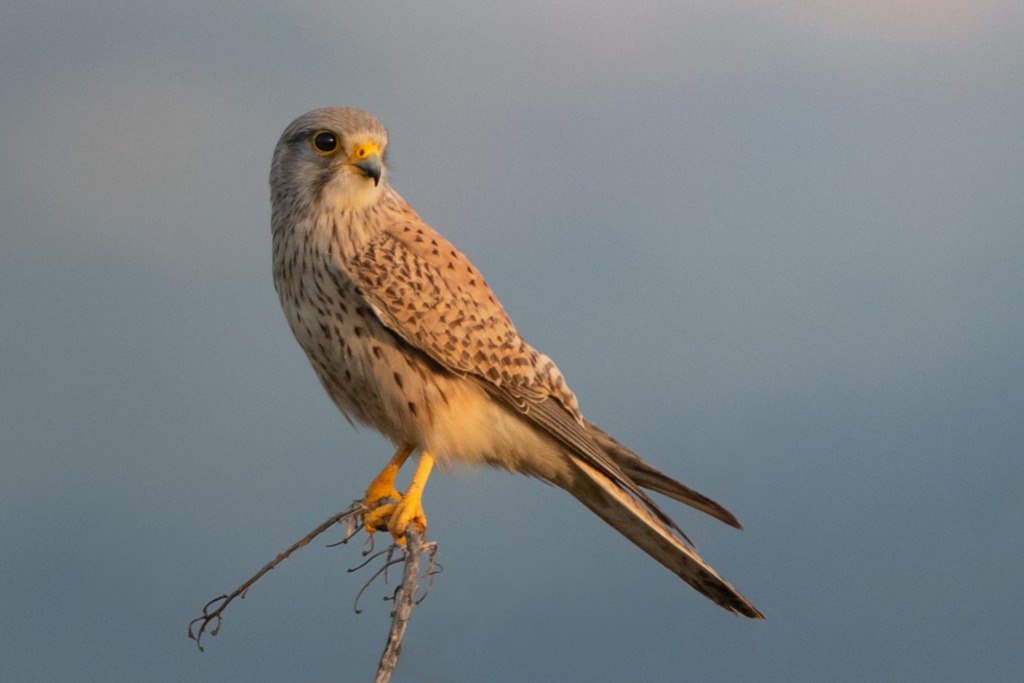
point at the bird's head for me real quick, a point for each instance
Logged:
(333, 155)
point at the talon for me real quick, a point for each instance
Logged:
(383, 488)
(377, 518)
(396, 517)
(377, 492)
(408, 511)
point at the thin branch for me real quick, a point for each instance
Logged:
(404, 596)
(351, 515)
(389, 561)
(405, 599)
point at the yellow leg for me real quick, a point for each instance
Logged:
(383, 485)
(409, 509)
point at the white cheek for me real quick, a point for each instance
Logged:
(351, 191)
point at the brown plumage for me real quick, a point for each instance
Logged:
(406, 336)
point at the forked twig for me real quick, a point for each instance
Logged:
(404, 596)
(214, 616)
(389, 561)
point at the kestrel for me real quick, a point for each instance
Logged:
(406, 337)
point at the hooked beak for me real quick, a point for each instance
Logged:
(369, 162)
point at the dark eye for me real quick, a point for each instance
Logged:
(325, 142)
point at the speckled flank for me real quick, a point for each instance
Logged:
(407, 337)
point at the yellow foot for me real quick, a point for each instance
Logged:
(408, 511)
(378, 492)
(396, 517)
(377, 518)
(383, 488)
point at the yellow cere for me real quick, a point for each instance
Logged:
(364, 150)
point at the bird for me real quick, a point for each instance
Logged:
(406, 337)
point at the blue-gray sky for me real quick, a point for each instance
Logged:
(777, 248)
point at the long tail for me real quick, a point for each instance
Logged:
(654, 480)
(634, 521)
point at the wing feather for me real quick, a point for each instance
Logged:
(430, 295)
(434, 299)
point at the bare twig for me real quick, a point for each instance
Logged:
(405, 599)
(404, 596)
(389, 561)
(351, 515)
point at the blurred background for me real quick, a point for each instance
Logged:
(776, 248)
